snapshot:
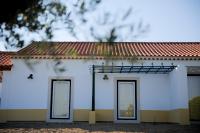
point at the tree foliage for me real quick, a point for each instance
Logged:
(43, 17)
(28, 15)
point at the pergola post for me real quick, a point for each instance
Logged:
(92, 115)
(93, 88)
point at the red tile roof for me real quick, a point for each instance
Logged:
(5, 60)
(79, 50)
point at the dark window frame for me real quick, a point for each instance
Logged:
(51, 100)
(135, 81)
(193, 74)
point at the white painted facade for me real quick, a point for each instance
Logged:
(157, 91)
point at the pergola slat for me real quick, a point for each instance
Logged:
(134, 69)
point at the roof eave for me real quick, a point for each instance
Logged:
(106, 58)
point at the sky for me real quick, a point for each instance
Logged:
(169, 20)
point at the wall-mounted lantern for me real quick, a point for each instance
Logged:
(105, 77)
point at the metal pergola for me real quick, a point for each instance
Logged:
(134, 69)
(151, 69)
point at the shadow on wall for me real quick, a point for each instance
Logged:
(194, 107)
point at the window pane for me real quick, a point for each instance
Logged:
(126, 99)
(61, 96)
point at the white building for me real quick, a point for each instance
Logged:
(87, 81)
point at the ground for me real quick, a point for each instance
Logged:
(38, 127)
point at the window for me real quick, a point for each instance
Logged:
(126, 100)
(60, 99)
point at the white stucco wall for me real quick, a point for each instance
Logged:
(157, 91)
(178, 86)
(154, 91)
(20, 92)
(193, 86)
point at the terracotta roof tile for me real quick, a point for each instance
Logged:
(118, 49)
(5, 60)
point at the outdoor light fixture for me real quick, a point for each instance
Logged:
(30, 76)
(105, 77)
